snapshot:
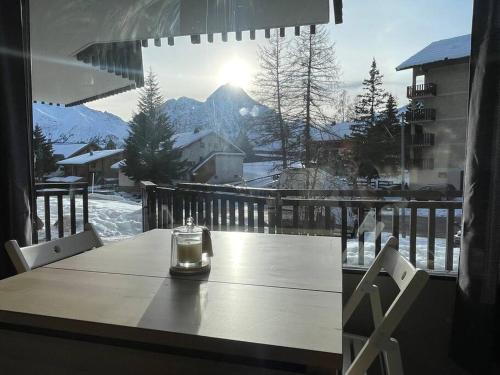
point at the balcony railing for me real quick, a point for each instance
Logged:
(421, 115)
(421, 91)
(423, 163)
(54, 194)
(422, 140)
(303, 212)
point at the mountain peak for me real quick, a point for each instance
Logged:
(232, 93)
(225, 111)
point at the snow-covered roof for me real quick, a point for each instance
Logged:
(89, 157)
(441, 50)
(67, 149)
(66, 179)
(118, 164)
(182, 140)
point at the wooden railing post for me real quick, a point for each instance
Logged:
(149, 219)
(34, 239)
(278, 214)
(72, 210)
(85, 197)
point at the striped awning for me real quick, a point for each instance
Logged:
(87, 50)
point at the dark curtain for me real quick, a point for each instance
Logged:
(15, 128)
(476, 332)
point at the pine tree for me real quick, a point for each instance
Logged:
(314, 84)
(368, 105)
(149, 152)
(372, 100)
(43, 153)
(384, 137)
(94, 142)
(271, 90)
(110, 144)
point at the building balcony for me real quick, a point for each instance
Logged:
(422, 140)
(421, 115)
(422, 163)
(421, 91)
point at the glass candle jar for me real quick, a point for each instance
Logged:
(187, 250)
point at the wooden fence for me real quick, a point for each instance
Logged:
(307, 212)
(60, 190)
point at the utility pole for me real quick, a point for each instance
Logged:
(402, 152)
(403, 218)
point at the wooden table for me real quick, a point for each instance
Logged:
(271, 304)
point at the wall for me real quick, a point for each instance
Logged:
(449, 127)
(124, 180)
(220, 168)
(424, 333)
(199, 150)
(101, 168)
(228, 168)
(77, 170)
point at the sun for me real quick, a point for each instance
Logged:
(235, 72)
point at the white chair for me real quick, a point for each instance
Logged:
(30, 257)
(359, 352)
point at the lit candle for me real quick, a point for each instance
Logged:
(189, 251)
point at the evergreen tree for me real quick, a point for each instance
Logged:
(313, 85)
(110, 144)
(366, 112)
(43, 153)
(271, 89)
(149, 152)
(384, 137)
(371, 101)
(94, 142)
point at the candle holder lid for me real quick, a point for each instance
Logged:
(190, 227)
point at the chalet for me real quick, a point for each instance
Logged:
(94, 166)
(438, 117)
(210, 158)
(68, 150)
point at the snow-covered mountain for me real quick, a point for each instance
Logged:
(226, 110)
(77, 124)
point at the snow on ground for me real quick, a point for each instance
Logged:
(261, 169)
(404, 246)
(115, 217)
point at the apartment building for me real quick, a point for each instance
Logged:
(438, 112)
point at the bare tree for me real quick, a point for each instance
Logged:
(271, 90)
(314, 84)
(345, 107)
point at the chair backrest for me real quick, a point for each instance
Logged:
(410, 282)
(30, 257)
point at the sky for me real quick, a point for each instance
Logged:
(389, 31)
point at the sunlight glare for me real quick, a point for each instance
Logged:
(235, 72)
